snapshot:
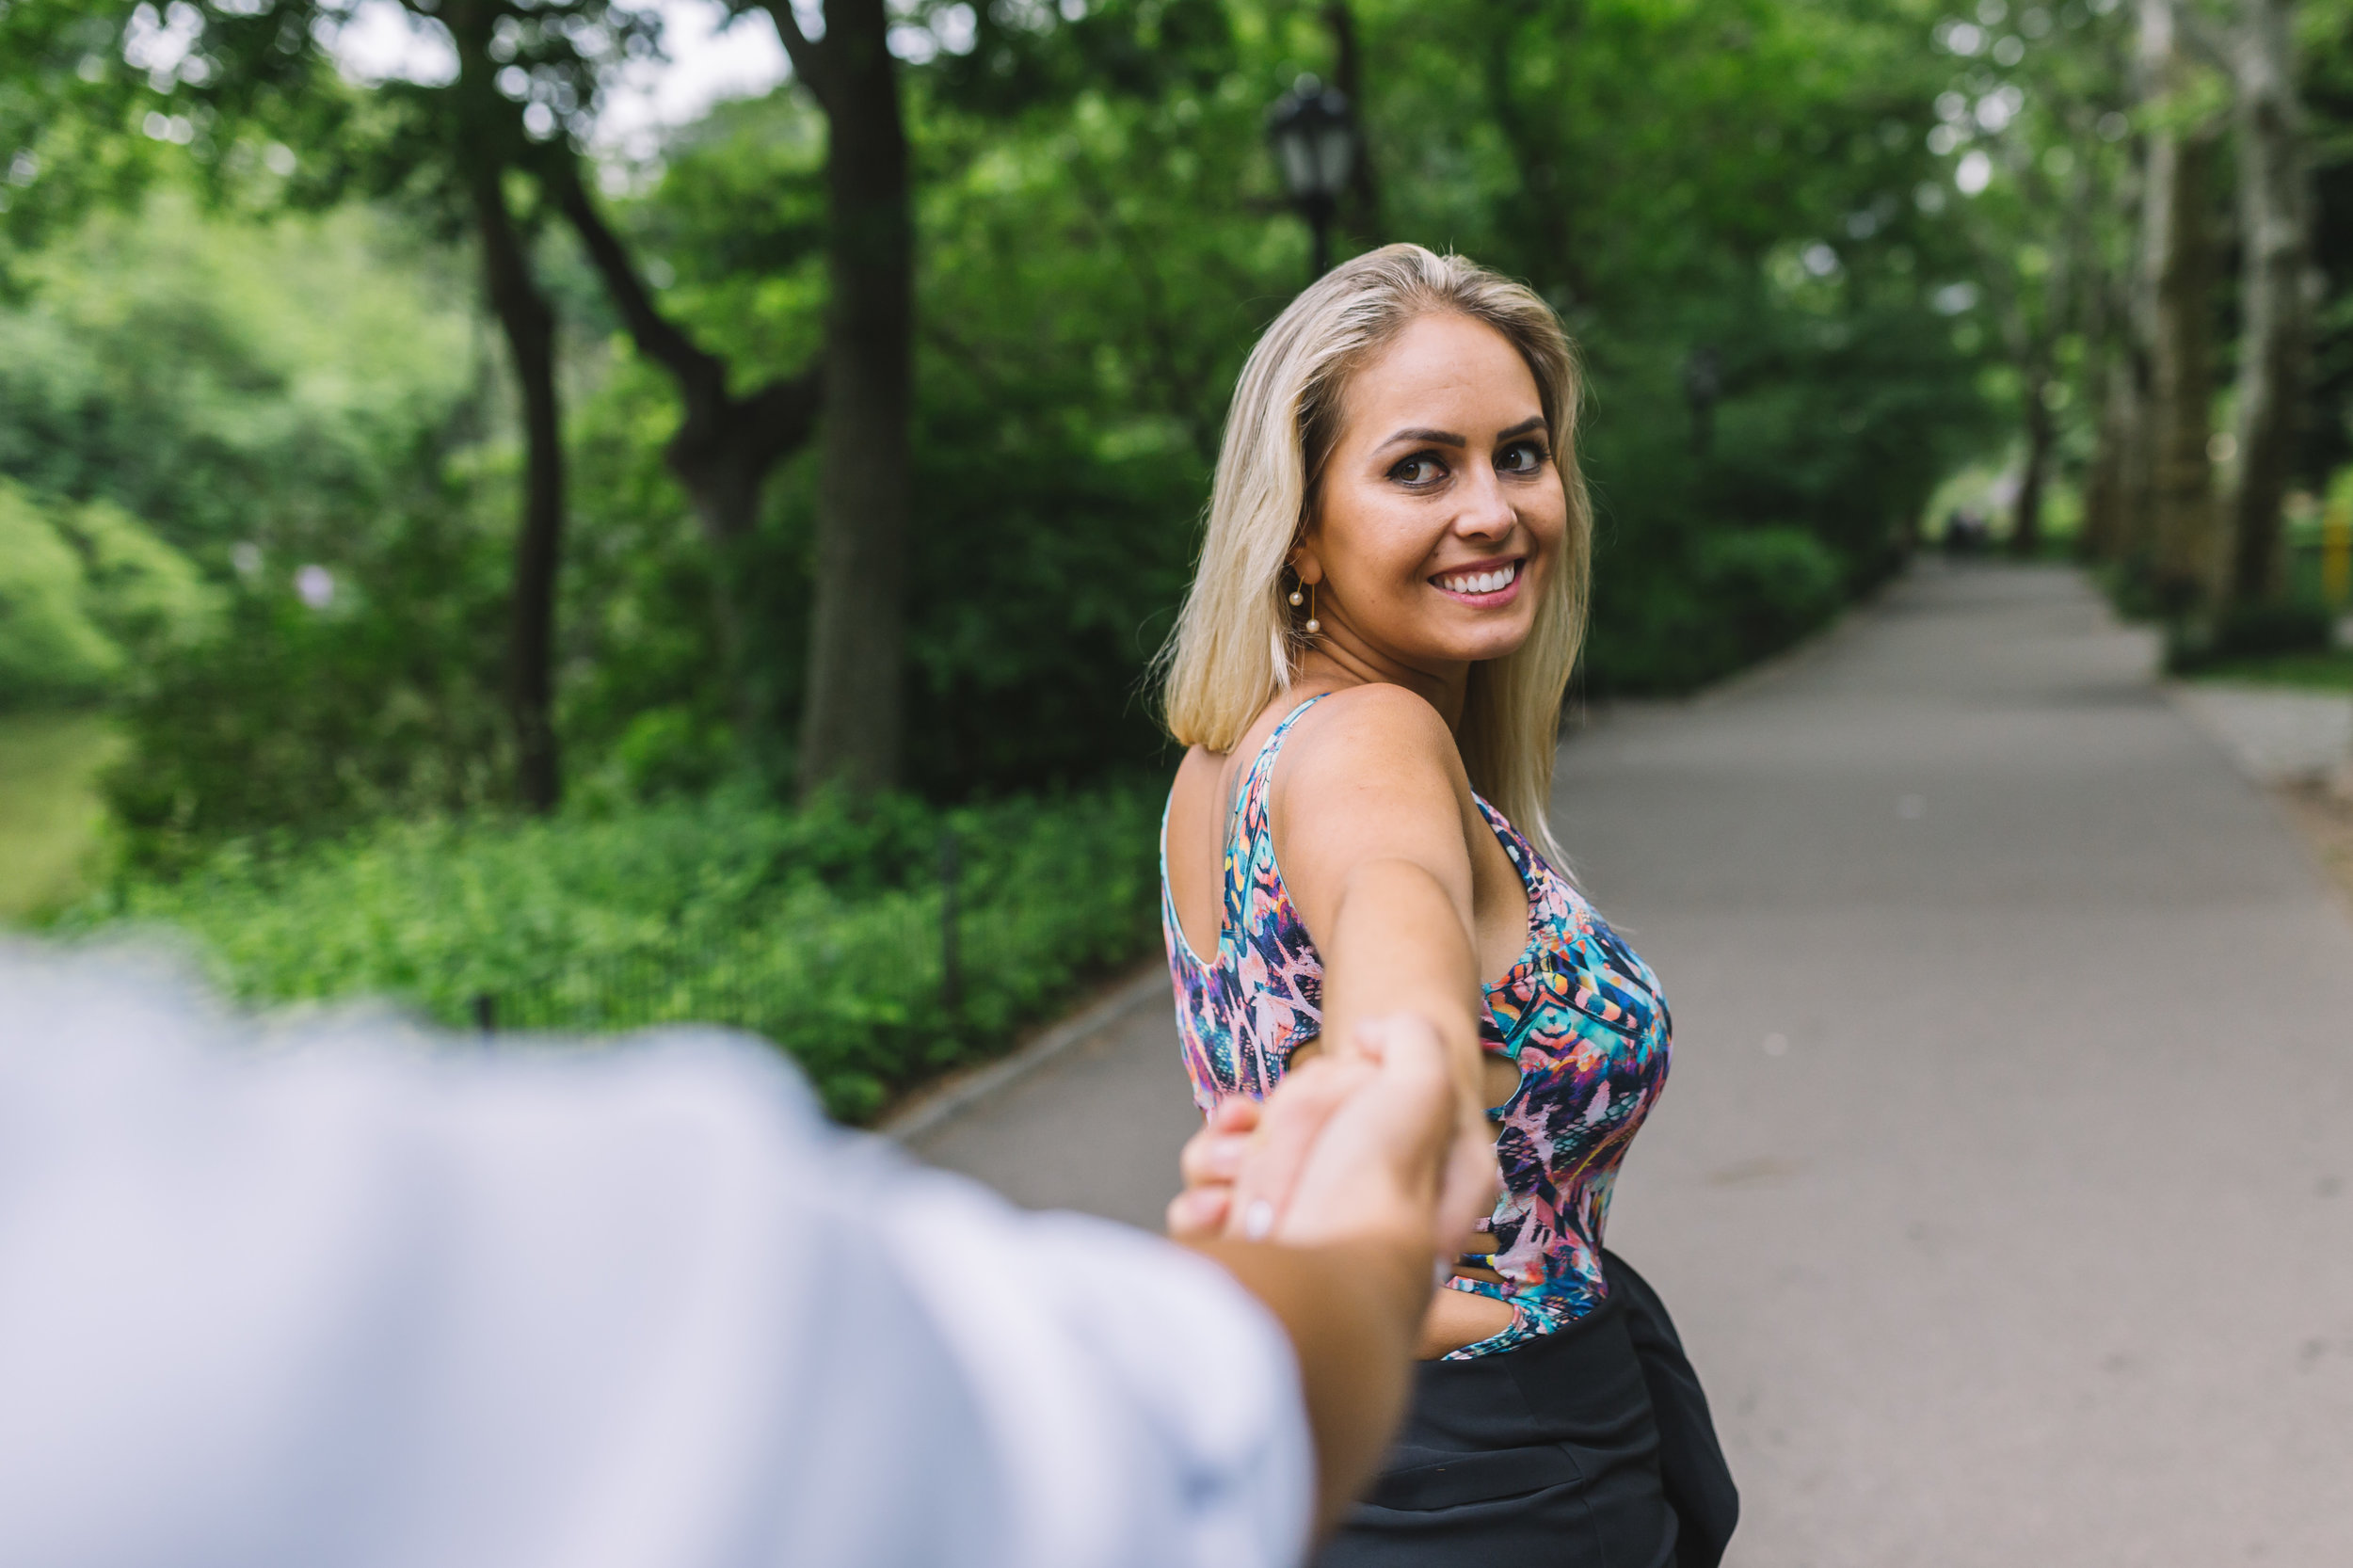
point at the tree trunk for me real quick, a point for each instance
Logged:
(2178, 259)
(850, 727)
(529, 324)
(2275, 238)
(2182, 369)
(2136, 489)
(2101, 530)
(2026, 535)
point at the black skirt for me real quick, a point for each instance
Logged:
(1591, 1447)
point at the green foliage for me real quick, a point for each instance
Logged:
(2258, 633)
(1746, 595)
(271, 397)
(2330, 671)
(67, 99)
(86, 592)
(51, 650)
(1102, 237)
(305, 718)
(52, 822)
(232, 381)
(820, 929)
(305, 722)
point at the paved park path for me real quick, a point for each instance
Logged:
(2004, 1186)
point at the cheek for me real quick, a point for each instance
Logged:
(1548, 523)
(1379, 544)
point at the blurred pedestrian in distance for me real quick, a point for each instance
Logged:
(1369, 671)
(1967, 532)
(344, 1294)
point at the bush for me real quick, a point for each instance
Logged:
(50, 650)
(2264, 630)
(2270, 629)
(1733, 598)
(307, 718)
(86, 592)
(820, 929)
(1772, 586)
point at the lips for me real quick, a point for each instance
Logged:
(1479, 582)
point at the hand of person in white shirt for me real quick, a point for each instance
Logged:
(1331, 1202)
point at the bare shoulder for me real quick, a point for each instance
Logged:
(1374, 724)
(1367, 742)
(1376, 779)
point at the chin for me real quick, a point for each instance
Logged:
(1487, 649)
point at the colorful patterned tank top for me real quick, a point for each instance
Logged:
(1579, 1014)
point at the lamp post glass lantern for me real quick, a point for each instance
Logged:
(1315, 146)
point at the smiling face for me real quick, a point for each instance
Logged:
(1441, 514)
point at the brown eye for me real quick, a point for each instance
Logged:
(1421, 468)
(1526, 458)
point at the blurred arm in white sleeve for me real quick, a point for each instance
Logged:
(344, 1299)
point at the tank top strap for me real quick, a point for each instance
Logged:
(1249, 816)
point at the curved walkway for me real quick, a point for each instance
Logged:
(2004, 1189)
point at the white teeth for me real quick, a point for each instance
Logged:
(1481, 581)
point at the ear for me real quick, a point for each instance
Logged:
(1305, 564)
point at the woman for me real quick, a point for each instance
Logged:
(1369, 673)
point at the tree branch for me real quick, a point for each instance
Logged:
(785, 410)
(809, 58)
(656, 336)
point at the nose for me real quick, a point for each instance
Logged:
(1487, 514)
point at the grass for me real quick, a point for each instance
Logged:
(2323, 672)
(50, 813)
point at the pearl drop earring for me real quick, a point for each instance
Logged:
(1314, 625)
(1296, 600)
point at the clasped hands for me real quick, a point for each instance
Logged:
(1375, 1142)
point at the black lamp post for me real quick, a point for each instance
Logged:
(1315, 146)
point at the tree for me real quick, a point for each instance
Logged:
(2275, 244)
(485, 145)
(65, 95)
(526, 75)
(726, 444)
(2179, 268)
(850, 718)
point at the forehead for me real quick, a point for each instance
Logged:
(1441, 369)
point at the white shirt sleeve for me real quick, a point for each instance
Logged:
(349, 1301)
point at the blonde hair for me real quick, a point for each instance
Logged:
(1236, 643)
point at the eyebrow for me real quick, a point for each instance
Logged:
(1447, 438)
